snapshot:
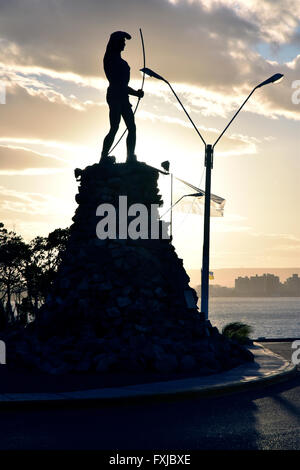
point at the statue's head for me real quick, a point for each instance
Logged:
(117, 40)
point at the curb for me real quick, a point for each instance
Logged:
(275, 340)
(268, 368)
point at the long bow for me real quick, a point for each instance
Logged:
(141, 88)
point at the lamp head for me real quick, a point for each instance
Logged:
(274, 78)
(150, 73)
(165, 165)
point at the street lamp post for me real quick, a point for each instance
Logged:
(209, 152)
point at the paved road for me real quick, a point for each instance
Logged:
(283, 349)
(268, 418)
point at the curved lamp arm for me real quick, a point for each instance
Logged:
(274, 78)
(150, 73)
(223, 132)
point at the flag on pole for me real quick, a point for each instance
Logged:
(210, 275)
(194, 203)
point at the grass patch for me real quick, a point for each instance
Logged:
(238, 331)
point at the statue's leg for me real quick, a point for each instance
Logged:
(128, 117)
(114, 119)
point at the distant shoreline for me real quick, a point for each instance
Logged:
(226, 276)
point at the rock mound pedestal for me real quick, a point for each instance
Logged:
(111, 282)
(124, 303)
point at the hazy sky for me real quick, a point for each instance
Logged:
(214, 52)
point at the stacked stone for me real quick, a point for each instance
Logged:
(107, 281)
(121, 304)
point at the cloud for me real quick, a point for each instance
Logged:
(32, 213)
(41, 33)
(57, 130)
(234, 144)
(206, 48)
(279, 237)
(56, 116)
(31, 228)
(277, 21)
(52, 86)
(16, 159)
(30, 203)
(33, 117)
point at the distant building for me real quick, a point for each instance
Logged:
(292, 285)
(221, 291)
(217, 291)
(242, 285)
(265, 285)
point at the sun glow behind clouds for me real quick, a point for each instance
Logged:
(69, 115)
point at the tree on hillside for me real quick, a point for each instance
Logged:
(14, 256)
(27, 272)
(46, 256)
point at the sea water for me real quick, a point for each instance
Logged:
(271, 317)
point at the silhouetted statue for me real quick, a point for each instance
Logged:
(117, 72)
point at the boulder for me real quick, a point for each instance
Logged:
(166, 363)
(105, 362)
(187, 363)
